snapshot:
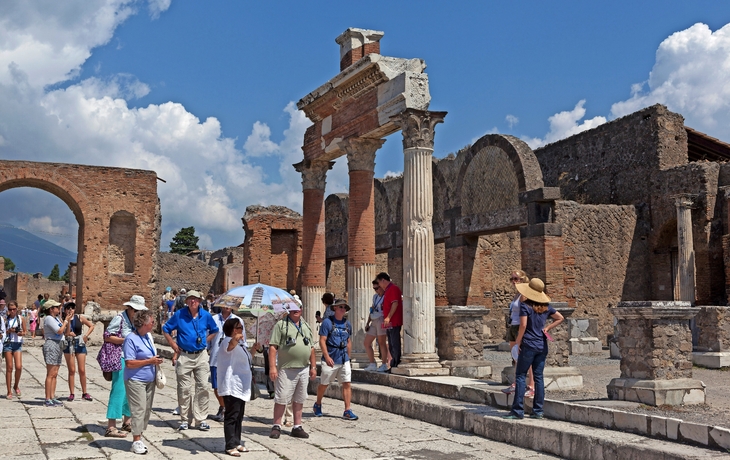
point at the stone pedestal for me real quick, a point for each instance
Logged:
(713, 337)
(583, 340)
(460, 341)
(656, 354)
(419, 292)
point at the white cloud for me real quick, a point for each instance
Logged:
(566, 124)
(691, 76)
(512, 120)
(390, 174)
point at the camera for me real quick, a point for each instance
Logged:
(199, 341)
(305, 340)
(290, 342)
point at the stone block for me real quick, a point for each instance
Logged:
(555, 409)
(627, 421)
(720, 437)
(504, 346)
(711, 359)
(600, 417)
(473, 369)
(657, 426)
(673, 428)
(473, 394)
(562, 378)
(694, 432)
(657, 392)
(585, 346)
(577, 414)
(614, 350)
(419, 371)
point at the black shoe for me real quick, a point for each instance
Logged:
(276, 432)
(220, 416)
(271, 395)
(299, 432)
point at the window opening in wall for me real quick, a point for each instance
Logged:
(122, 242)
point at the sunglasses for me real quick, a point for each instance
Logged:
(340, 306)
(514, 278)
(12, 309)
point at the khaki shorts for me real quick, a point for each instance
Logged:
(341, 372)
(512, 332)
(376, 328)
(291, 386)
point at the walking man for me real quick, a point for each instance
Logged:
(195, 327)
(293, 341)
(335, 341)
(392, 316)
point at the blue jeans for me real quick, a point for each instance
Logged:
(535, 358)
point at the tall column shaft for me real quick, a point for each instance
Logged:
(686, 253)
(361, 269)
(314, 262)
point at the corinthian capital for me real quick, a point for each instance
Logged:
(685, 200)
(418, 127)
(361, 152)
(314, 173)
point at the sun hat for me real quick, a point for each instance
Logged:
(534, 290)
(193, 293)
(182, 291)
(293, 306)
(168, 289)
(50, 303)
(340, 302)
(136, 302)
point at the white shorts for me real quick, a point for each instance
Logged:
(341, 372)
(376, 327)
(291, 386)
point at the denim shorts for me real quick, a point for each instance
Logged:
(78, 348)
(12, 346)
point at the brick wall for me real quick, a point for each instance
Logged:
(180, 271)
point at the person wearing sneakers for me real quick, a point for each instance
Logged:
(517, 276)
(213, 347)
(374, 329)
(53, 330)
(533, 345)
(13, 347)
(292, 349)
(76, 345)
(195, 328)
(335, 341)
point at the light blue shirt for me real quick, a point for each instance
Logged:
(136, 347)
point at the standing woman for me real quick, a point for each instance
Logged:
(517, 276)
(33, 318)
(234, 383)
(532, 342)
(13, 347)
(53, 330)
(140, 358)
(76, 345)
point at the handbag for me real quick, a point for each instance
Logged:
(110, 355)
(160, 379)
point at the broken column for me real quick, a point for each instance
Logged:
(656, 354)
(686, 252)
(460, 340)
(419, 297)
(314, 269)
(361, 268)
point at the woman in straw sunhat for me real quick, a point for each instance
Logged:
(517, 277)
(532, 343)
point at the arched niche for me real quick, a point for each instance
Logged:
(122, 242)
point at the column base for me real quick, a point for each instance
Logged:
(585, 346)
(555, 378)
(658, 392)
(711, 359)
(473, 369)
(504, 346)
(420, 364)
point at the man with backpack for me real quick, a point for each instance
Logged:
(335, 341)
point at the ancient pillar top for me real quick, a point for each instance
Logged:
(653, 309)
(356, 43)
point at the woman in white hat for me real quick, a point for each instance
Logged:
(53, 330)
(532, 343)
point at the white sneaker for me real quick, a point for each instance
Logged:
(138, 447)
(176, 411)
(371, 367)
(383, 368)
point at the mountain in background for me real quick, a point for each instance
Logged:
(32, 254)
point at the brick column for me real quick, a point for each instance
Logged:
(686, 255)
(419, 301)
(314, 264)
(361, 269)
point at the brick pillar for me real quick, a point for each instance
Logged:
(542, 241)
(356, 44)
(419, 297)
(686, 253)
(314, 264)
(361, 269)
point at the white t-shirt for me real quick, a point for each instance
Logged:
(11, 323)
(214, 344)
(234, 371)
(376, 311)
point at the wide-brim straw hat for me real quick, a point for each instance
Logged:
(534, 290)
(340, 302)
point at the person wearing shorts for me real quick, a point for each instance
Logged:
(374, 329)
(292, 349)
(53, 331)
(335, 341)
(13, 348)
(76, 346)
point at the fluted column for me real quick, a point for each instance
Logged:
(419, 305)
(361, 269)
(686, 252)
(314, 262)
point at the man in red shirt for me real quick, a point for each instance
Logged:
(392, 316)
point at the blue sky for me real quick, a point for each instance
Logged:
(203, 92)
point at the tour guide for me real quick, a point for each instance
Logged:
(195, 327)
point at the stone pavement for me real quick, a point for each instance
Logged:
(32, 431)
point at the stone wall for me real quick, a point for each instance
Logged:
(714, 326)
(655, 349)
(179, 271)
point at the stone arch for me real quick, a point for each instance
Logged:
(440, 194)
(122, 242)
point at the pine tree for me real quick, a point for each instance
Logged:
(184, 241)
(55, 274)
(66, 275)
(9, 264)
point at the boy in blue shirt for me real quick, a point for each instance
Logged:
(335, 341)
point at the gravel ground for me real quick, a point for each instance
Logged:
(598, 370)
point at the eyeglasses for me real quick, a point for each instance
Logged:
(376, 287)
(340, 306)
(514, 278)
(12, 309)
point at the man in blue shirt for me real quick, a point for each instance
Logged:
(336, 344)
(195, 327)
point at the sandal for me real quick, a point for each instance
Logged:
(127, 427)
(530, 393)
(17, 392)
(233, 453)
(242, 448)
(112, 432)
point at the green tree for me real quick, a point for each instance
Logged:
(9, 264)
(66, 275)
(184, 241)
(55, 274)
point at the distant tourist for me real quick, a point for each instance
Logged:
(13, 348)
(180, 300)
(76, 346)
(335, 341)
(327, 300)
(517, 276)
(213, 348)
(292, 349)
(195, 327)
(533, 345)
(392, 316)
(33, 319)
(140, 357)
(53, 331)
(374, 329)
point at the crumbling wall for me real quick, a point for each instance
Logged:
(180, 271)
